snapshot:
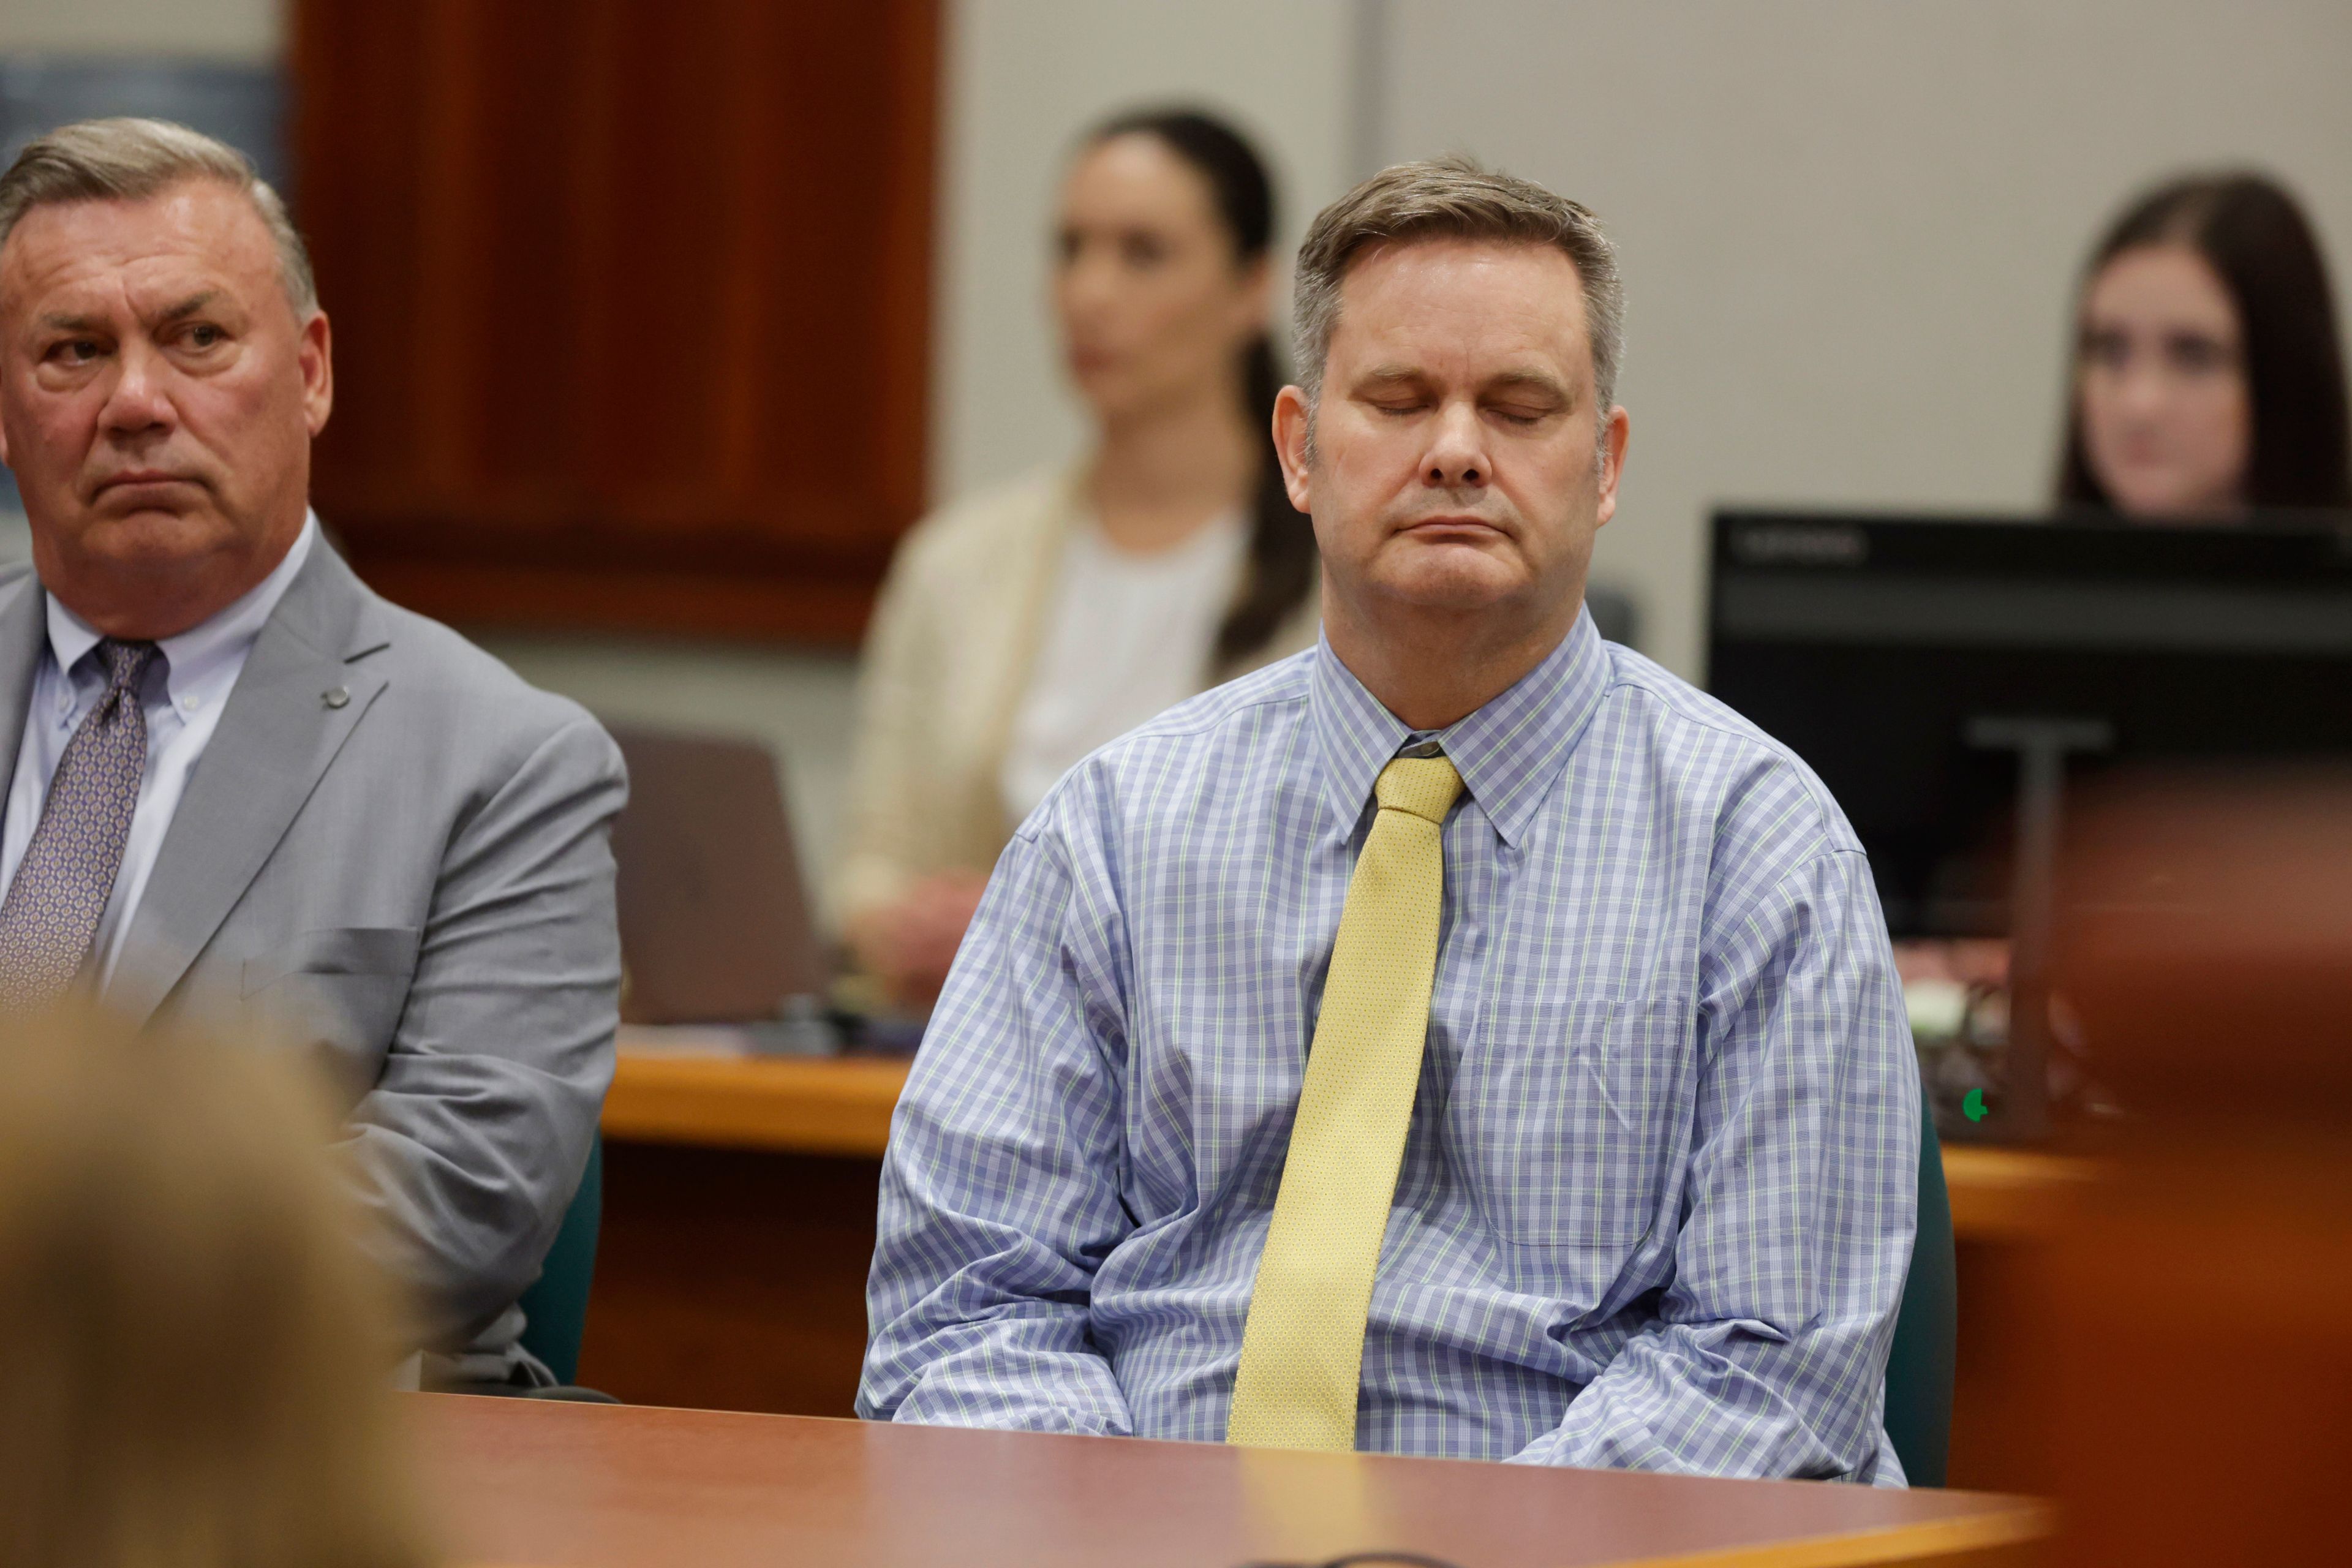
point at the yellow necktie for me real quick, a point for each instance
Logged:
(1303, 1350)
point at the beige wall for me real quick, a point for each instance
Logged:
(1025, 78)
(211, 30)
(1851, 227)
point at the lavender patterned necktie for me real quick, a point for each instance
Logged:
(67, 874)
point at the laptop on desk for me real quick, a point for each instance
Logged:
(716, 927)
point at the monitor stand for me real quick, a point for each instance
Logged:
(2020, 1113)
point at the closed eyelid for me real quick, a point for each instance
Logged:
(1529, 387)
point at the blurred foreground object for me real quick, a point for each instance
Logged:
(195, 1371)
(2208, 949)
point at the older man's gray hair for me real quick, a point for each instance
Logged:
(130, 160)
(1455, 198)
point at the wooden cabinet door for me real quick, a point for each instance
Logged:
(630, 302)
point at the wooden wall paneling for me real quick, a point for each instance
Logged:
(903, 347)
(448, 247)
(632, 303)
(349, 80)
(759, 130)
(533, 259)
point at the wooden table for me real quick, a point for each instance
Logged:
(842, 1106)
(556, 1485)
(793, 1105)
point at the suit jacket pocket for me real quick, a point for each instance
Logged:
(348, 949)
(337, 994)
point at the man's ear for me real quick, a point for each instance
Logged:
(1292, 420)
(315, 353)
(1613, 436)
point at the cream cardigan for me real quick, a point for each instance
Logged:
(947, 661)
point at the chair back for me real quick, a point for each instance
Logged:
(1926, 1329)
(555, 1309)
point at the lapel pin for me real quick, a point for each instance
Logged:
(335, 697)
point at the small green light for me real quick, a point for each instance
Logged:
(1973, 1106)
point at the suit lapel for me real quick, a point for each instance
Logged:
(24, 631)
(302, 692)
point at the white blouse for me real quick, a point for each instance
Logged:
(1126, 636)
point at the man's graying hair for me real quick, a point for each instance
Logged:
(1454, 197)
(130, 160)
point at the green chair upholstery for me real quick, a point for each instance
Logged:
(555, 1309)
(1926, 1329)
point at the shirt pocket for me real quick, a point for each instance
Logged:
(339, 990)
(1566, 1111)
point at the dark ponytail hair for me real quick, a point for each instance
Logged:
(1282, 562)
(2262, 246)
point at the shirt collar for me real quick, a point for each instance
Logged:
(202, 662)
(1506, 751)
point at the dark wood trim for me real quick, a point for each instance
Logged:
(815, 611)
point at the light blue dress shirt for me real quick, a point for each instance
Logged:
(1658, 1192)
(182, 697)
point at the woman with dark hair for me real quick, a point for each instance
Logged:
(2209, 379)
(1020, 630)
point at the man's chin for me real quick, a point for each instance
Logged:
(1454, 578)
(139, 529)
(141, 540)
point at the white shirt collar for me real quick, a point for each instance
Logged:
(203, 662)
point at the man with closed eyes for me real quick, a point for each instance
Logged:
(1463, 1039)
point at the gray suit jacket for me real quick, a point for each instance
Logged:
(395, 854)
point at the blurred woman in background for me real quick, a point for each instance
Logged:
(195, 1366)
(2209, 379)
(1020, 630)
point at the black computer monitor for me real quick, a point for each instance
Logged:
(1947, 678)
(1898, 656)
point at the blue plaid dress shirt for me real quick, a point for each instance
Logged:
(1659, 1188)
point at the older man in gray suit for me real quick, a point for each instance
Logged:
(244, 785)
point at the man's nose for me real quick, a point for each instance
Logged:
(1457, 449)
(141, 402)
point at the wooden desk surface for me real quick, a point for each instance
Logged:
(570, 1485)
(804, 1105)
(793, 1105)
